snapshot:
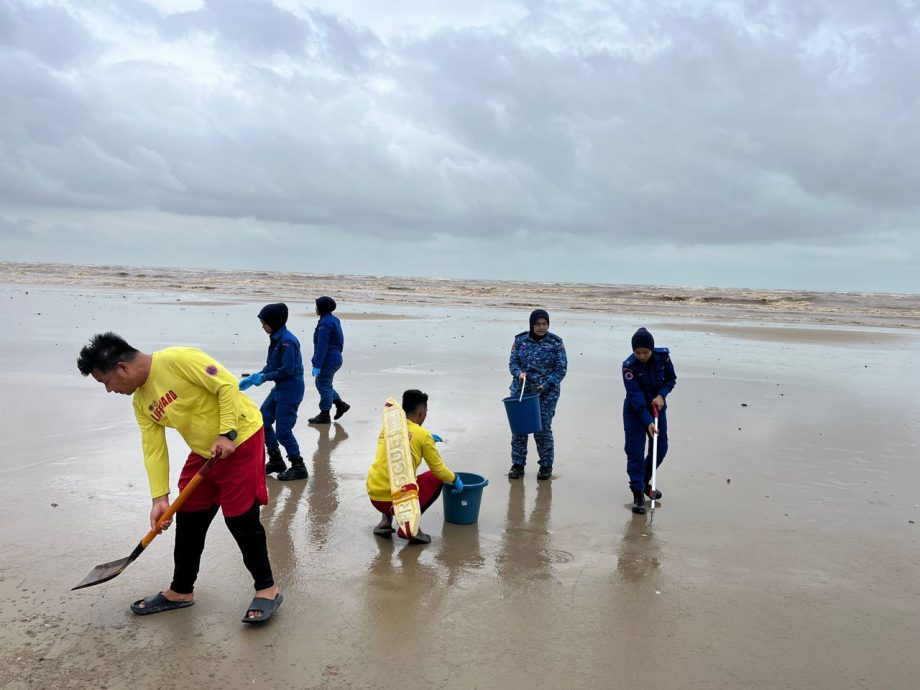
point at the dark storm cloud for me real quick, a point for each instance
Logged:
(693, 123)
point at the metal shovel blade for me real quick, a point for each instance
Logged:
(107, 571)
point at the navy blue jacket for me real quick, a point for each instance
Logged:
(284, 361)
(328, 341)
(544, 361)
(644, 381)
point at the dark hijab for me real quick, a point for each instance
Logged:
(325, 305)
(535, 316)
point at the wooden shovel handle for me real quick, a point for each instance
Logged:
(180, 499)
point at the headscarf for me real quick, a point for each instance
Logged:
(535, 316)
(325, 305)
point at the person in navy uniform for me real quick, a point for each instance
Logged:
(328, 342)
(648, 375)
(284, 366)
(538, 362)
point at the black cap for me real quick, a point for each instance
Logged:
(275, 315)
(642, 338)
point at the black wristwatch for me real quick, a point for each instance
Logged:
(230, 435)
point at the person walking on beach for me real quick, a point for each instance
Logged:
(284, 366)
(188, 390)
(648, 375)
(421, 447)
(539, 363)
(328, 342)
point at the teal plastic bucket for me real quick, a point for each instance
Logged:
(463, 508)
(524, 416)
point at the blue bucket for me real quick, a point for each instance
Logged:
(524, 416)
(463, 508)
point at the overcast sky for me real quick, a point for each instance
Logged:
(749, 144)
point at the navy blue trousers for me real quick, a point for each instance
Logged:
(279, 415)
(327, 394)
(545, 445)
(638, 461)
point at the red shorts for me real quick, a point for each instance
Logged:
(429, 488)
(234, 482)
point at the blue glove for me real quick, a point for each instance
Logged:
(257, 379)
(245, 383)
(436, 438)
(315, 372)
(458, 485)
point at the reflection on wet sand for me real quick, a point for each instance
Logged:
(281, 518)
(524, 553)
(639, 606)
(459, 551)
(403, 588)
(638, 552)
(323, 488)
(287, 512)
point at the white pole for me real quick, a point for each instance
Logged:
(654, 463)
(523, 385)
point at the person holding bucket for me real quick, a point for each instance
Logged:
(538, 364)
(421, 447)
(648, 375)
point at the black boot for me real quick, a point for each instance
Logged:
(420, 538)
(516, 471)
(341, 407)
(648, 492)
(297, 470)
(638, 506)
(275, 462)
(545, 472)
(322, 418)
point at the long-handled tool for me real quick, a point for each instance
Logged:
(107, 571)
(523, 386)
(651, 512)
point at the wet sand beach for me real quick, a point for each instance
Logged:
(784, 553)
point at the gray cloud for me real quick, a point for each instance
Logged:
(51, 34)
(745, 124)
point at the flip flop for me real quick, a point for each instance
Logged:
(266, 606)
(383, 531)
(157, 603)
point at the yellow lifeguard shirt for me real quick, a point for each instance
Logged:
(191, 392)
(421, 447)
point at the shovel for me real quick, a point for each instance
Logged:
(651, 514)
(107, 571)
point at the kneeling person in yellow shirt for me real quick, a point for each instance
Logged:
(421, 447)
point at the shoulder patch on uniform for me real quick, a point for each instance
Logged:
(211, 370)
(628, 375)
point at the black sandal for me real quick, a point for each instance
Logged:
(266, 607)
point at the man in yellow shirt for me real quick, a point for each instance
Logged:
(421, 447)
(188, 390)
